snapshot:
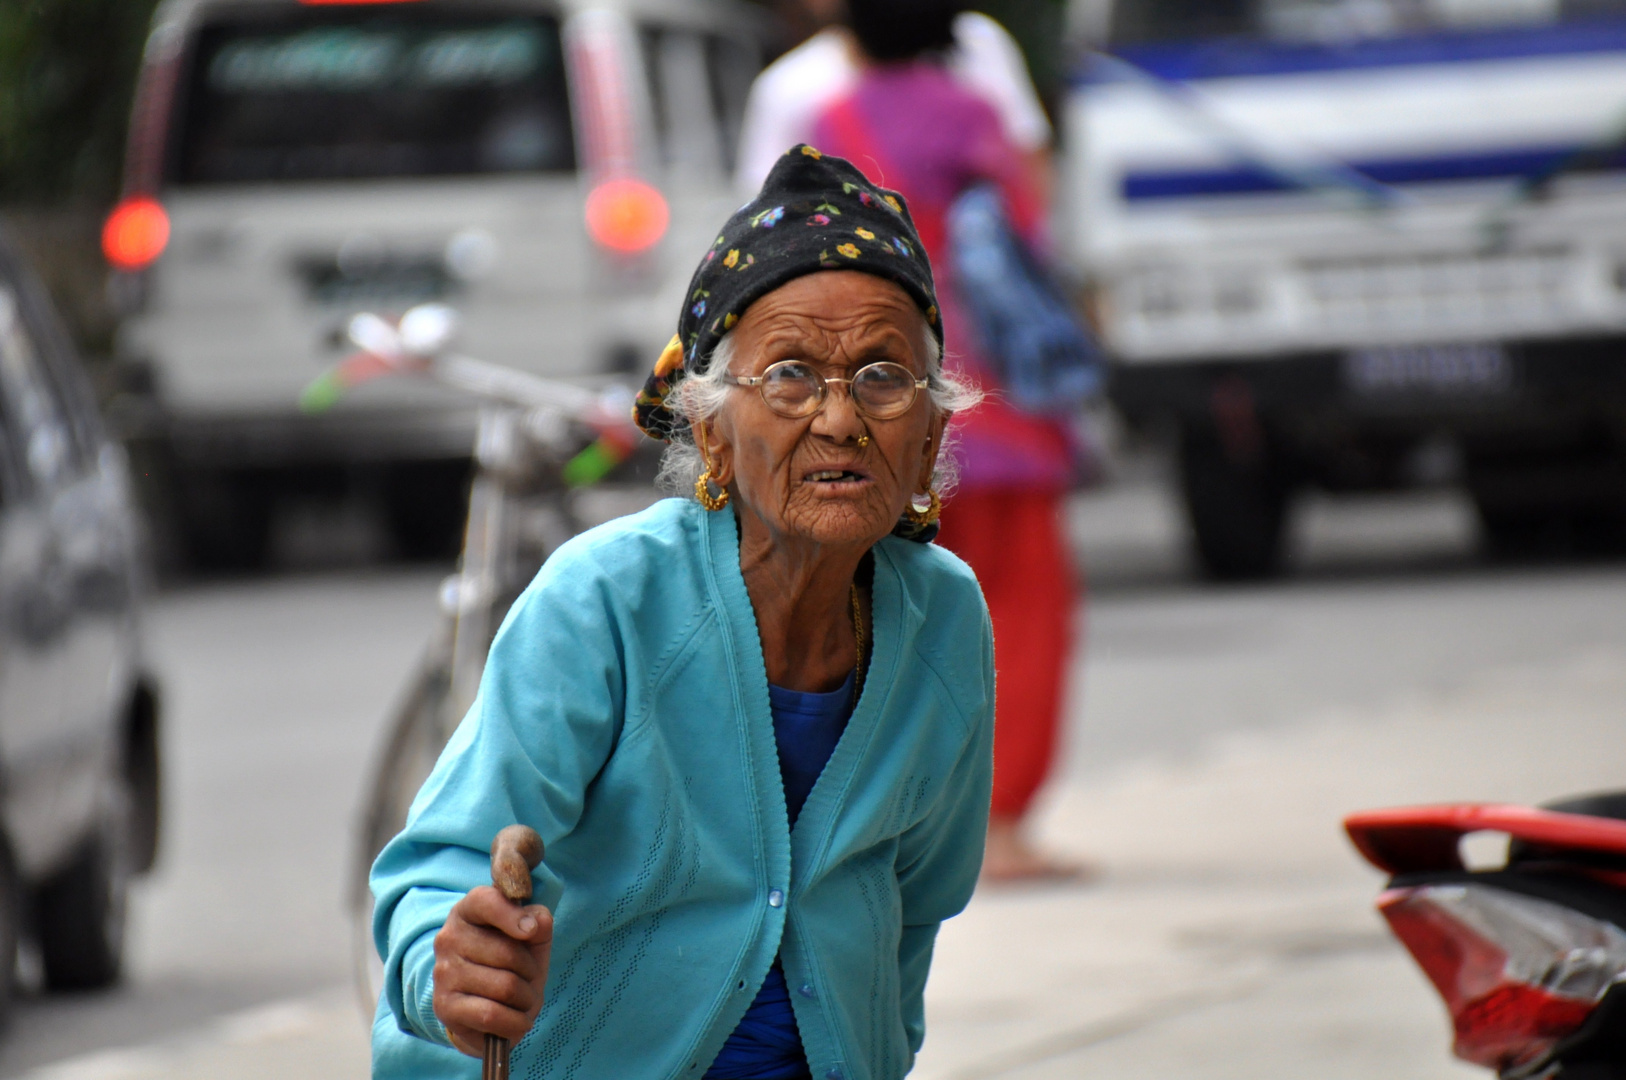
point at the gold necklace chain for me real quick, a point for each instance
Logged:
(858, 635)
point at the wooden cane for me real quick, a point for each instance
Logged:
(515, 852)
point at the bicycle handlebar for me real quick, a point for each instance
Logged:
(416, 346)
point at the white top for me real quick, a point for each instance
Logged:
(790, 94)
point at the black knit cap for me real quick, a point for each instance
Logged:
(814, 212)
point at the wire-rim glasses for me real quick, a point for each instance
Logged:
(793, 389)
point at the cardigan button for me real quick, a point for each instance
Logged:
(776, 898)
(806, 990)
(833, 1074)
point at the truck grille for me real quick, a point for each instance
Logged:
(1252, 309)
(1441, 292)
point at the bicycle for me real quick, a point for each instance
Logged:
(538, 444)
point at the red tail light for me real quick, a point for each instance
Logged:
(136, 233)
(626, 215)
(1517, 974)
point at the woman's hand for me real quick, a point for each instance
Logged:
(491, 964)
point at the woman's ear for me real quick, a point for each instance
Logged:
(715, 452)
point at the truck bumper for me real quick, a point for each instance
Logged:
(1525, 422)
(342, 437)
(1537, 384)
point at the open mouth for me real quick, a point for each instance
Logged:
(835, 476)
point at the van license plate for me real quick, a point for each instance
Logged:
(1465, 368)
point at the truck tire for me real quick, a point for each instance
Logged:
(1555, 506)
(143, 771)
(79, 914)
(427, 506)
(1237, 509)
(1515, 535)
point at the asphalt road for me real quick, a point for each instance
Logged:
(276, 690)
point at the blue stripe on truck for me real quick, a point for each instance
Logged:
(1223, 58)
(1147, 185)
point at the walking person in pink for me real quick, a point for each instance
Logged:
(910, 124)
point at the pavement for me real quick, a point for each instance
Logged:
(1231, 933)
(1218, 738)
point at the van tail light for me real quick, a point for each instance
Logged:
(1518, 974)
(136, 233)
(626, 216)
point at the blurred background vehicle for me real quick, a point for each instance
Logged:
(1359, 244)
(547, 166)
(79, 740)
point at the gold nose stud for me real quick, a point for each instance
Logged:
(863, 440)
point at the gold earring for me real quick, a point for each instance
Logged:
(928, 516)
(702, 492)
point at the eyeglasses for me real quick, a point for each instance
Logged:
(793, 389)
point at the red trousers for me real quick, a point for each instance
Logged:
(1015, 543)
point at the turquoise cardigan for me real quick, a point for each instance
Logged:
(624, 715)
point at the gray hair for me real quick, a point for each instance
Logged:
(699, 397)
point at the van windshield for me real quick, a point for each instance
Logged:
(1140, 21)
(333, 94)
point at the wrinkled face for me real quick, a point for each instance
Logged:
(813, 477)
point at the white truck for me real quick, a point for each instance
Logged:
(1357, 244)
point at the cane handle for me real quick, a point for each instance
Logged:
(515, 852)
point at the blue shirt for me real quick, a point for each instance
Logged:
(767, 1045)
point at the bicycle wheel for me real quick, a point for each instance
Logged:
(417, 735)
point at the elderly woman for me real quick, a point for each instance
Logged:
(753, 727)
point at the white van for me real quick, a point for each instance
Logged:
(548, 167)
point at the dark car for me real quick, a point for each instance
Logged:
(79, 759)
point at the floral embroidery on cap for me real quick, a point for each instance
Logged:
(823, 191)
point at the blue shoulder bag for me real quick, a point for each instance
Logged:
(1038, 349)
